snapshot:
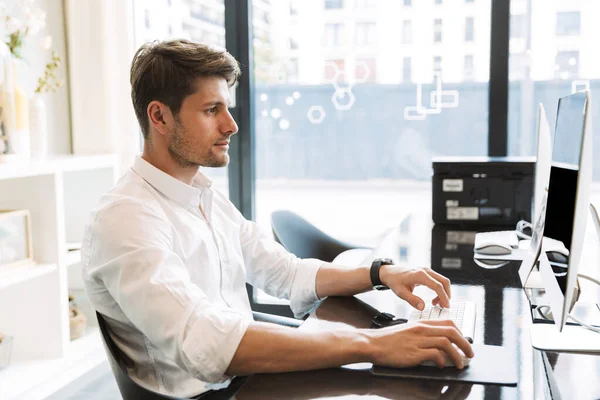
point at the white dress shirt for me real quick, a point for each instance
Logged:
(166, 263)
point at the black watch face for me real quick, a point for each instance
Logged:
(380, 287)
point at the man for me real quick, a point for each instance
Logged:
(166, 256)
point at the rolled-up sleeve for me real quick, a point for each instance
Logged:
(153, 288)
(276, 271)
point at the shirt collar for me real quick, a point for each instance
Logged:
(182, 193)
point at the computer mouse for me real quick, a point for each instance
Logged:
(495, 249)
(449, 363)
(557, 257)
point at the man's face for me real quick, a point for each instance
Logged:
(203, 127)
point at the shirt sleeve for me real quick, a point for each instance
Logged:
(133, 257)
(278, 272)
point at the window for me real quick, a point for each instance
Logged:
(406, 70)
(147, 19)
(566, 65)
(438, 2)
(407, 31)
(333, 4)
(365, 70)
(469, 29)
(437, 64)
(365, 34)
(366, 3)
(331, 67)
(293, 44)
(437, 30)
(517, 67)
(469, 68)
(292, 70)
(553, 64)
(334, 35)
(331, 139)
(293, 9)
(518, 27)
(567, 23)
(469, 1)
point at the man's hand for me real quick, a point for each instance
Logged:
(403, 280)
(408, 345)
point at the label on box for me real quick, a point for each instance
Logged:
(461, 237)
(462, 213)
(452, 185)
(451, 263)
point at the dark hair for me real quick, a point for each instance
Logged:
(167, 71)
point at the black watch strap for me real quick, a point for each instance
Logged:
(374, 273)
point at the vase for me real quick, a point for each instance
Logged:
(38, 127)
(18, 138)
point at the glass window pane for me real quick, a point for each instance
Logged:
(347, 123)
(469, 29)
(198, 20)
(552, 54)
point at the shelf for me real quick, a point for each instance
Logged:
(15, 275)
(26, 168)
(40, 379)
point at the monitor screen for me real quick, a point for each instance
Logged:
(562, 188)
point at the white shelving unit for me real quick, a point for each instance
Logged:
(59, 193)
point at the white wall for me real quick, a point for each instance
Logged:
(59, 126)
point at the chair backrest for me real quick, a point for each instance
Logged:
(129, 389)
(303, 239)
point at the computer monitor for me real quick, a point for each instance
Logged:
(568, 201)
(562, 219)
(542, 162)
(542, 178)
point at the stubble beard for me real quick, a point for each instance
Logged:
(185, 154)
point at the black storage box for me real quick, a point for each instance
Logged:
(482, 190)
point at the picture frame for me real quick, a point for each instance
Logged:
(16, 247)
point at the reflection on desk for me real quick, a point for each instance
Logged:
(503, 317)
(343, 383)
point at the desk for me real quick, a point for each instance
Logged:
(503, 318)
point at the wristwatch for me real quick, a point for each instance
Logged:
(375, 267)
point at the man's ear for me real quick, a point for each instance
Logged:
(160, 117)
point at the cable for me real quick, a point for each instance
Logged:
(589, 278)
(521, 228)
(540, 309)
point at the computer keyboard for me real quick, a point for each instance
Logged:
(463, 314)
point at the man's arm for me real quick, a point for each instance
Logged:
(335, 280)
(268, 348)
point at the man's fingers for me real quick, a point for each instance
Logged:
(435, 355)
(423, 278)
(445, 344)
(447, 329)
(411, 299)
(440, 278)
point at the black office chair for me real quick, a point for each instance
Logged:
(305, 240)
(131, 390)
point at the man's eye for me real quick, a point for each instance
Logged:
(212, 110)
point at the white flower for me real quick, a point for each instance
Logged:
(46, 42)
(36, 21)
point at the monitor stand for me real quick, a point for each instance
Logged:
(545, 335)
(573, 338)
